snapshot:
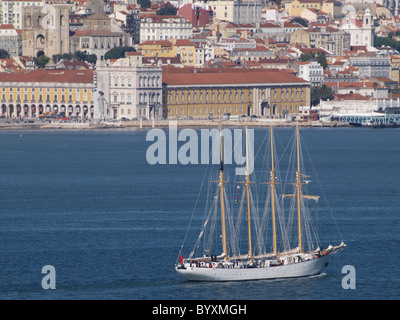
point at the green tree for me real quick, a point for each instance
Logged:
(91, 58)
(4, 54)
(116, 53)
(307, 56)
(41, 61)
(320, 57)
(82, 56)
(144, 3)
(387, 42)
(167, 10)
(320, 93)
(65, 56)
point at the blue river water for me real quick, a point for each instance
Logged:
(89, 204)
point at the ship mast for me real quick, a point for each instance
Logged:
(298, 190)
(221, 182)
(298, 194)
(273, 194)
(248, 198)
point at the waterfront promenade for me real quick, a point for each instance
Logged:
(56, 124)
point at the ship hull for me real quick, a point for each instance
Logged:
(295, 270)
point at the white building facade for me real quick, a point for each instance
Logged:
(311, 71)
(160, 28)
(130, 89)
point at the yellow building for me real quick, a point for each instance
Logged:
(157, 48)
(331, 7)
(185, 50)
(32, 93)
(182, 48)
(206, 92)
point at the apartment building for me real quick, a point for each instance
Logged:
(240, 11)
(10, 40)
(331, 7)
(191, 54)
(371, 64)
(154, 27)
(331, 39)
(11, 11)
(310, 71)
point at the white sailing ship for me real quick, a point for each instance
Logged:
(258, 263)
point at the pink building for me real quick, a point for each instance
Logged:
(197, 15)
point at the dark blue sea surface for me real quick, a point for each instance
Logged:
(89, 204)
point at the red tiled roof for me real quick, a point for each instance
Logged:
(350, 96)
(184, 42)
(354, 84)
(6, 26)
(134, 53)
(96, 33)
(257, 48)
(242, 77)
(157, 42)
(55, 76)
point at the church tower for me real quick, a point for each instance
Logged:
(367, 34)
(45, 30)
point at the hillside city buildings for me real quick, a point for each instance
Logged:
(194, 59)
